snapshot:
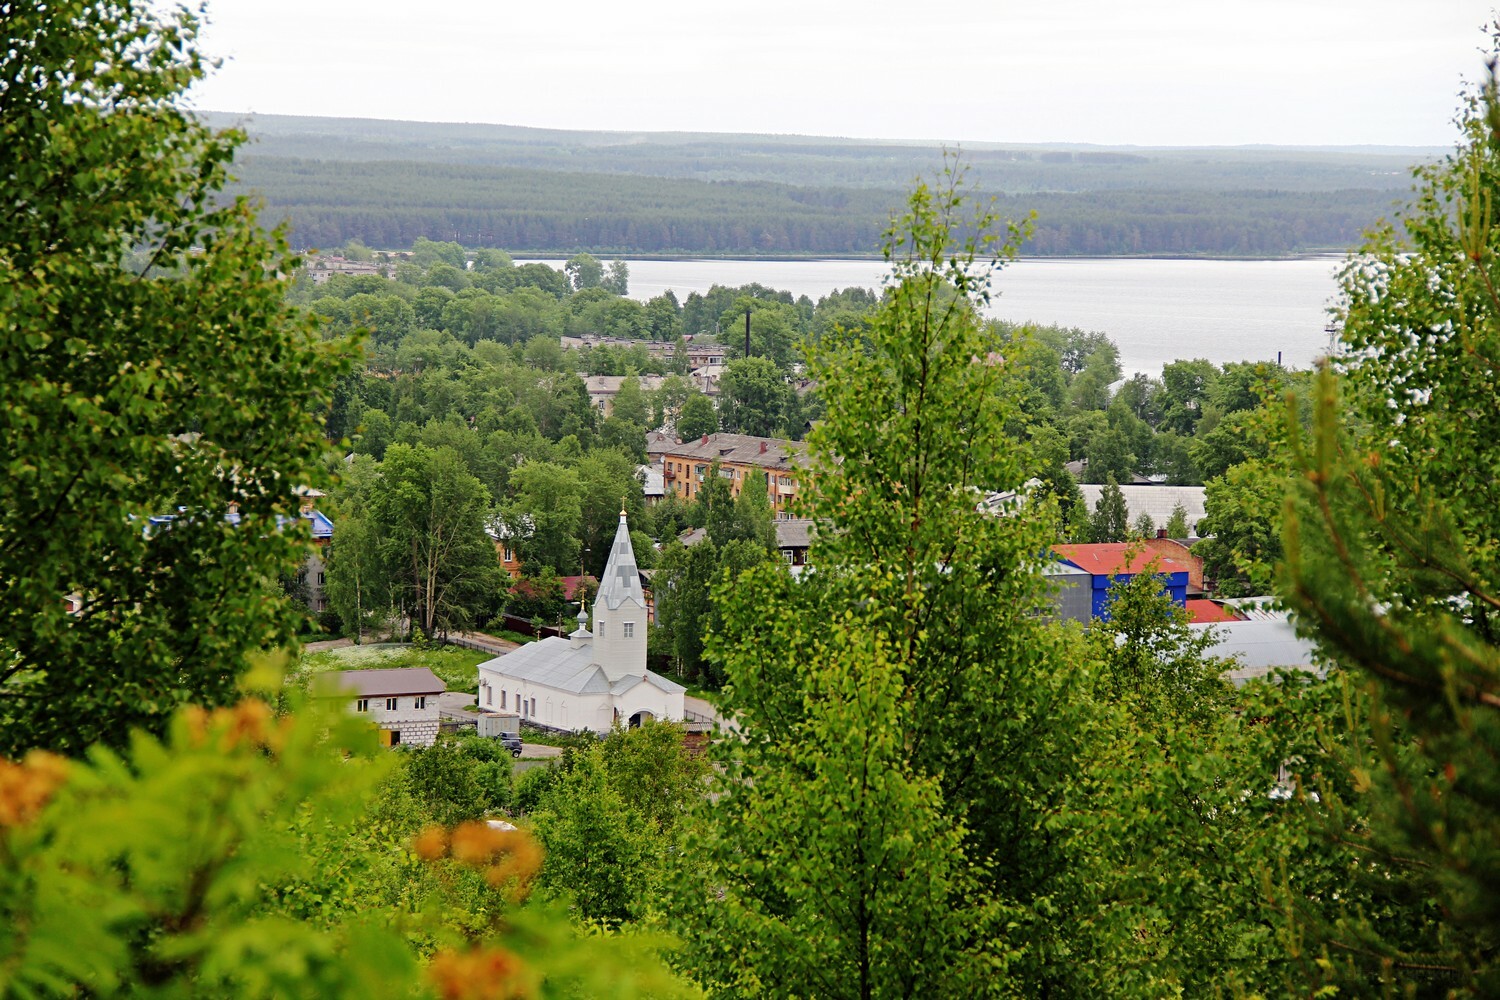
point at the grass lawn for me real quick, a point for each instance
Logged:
(453, 665)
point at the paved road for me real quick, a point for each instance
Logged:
(535, 755)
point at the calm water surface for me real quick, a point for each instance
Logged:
(1156, 310)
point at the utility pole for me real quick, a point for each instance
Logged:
(747, 331)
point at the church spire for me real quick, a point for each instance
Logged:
(622, 578)
(620, 612)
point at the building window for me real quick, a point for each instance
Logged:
(321, 578)
(363, 705)
(421, 702)
(390, 704)
(599, 626)
(502, 698)
(510, 555)
(629, 632)
(533, 708)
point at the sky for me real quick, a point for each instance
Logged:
(1114, 72)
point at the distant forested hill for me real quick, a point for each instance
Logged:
(535, 190)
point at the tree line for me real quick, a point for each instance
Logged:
(391, 204)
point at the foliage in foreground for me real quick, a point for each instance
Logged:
(241, 857)
(1393, 565)
(182, 387)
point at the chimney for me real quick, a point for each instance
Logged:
(705, 439)
(763, 446)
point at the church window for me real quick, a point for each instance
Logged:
(502, 697)
(533, 708)
(600, 625)
(629, 632)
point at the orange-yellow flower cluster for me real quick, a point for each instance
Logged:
(28, 786)
(249, 723)
(482, 974)
(507, 856)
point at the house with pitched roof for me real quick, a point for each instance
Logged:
(588, 680)
(402, 702)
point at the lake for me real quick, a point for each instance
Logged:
(1157, 311)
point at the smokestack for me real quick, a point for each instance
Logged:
(747, 332)
(763, 447)
(705, 439)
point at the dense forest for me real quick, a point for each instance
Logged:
(537, 191)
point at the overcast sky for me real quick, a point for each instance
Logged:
(1144, 72)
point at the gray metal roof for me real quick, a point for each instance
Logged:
(1260, 647)
(553, 662)
(567, 666)
(622, 578)
(387, 683)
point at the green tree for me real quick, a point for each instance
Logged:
(1393, 566)
(753, 397)
(429, 515)
(664, 317)
(617, 277)
(1185, 386)
(222, 862)
(1177, 526)
(545, 515)
(697, 417)
(358, 590)
(630, 403)
(598, 855)
(1242, 529)
(140, 406)
(1111, 518)
(681, 584)
(584, 271)
(892, 682)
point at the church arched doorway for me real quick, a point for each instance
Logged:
(641, 717)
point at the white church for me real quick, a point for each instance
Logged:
(588, 680)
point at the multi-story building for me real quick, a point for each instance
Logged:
(684, 466)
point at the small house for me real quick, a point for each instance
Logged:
(401, 701)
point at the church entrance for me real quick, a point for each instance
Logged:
(642, 716)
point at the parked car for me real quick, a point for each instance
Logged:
(511, 742)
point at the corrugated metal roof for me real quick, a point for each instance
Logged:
(1157, 501)
(1257, 608)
